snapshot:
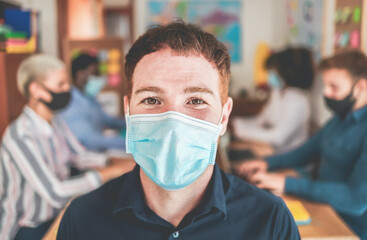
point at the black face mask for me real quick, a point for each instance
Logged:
(341, 107)
(59, 100)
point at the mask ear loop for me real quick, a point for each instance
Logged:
(220, 125)
(127, 138)
(221, 118)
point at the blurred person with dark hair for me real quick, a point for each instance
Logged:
(84, 115)
(341, 145)
(37, 152)
(284, 122)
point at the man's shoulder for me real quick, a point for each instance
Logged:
(251, 205)
(244, 193)
(78, 102)
(19, 130)
(102, 199)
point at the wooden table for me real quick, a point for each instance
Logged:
(325, 223)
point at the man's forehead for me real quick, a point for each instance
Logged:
(162, 90)
(167, 68)
(336, 74)
(168, 59)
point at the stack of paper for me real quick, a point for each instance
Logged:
(299, 212)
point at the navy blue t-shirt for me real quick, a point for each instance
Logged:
(230, 209)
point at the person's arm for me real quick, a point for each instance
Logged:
(98, 142)
(243, 125)
(347, 197)
(26, 154)
(80, 157)
(109, 121)
(300, 156)
(92, 139)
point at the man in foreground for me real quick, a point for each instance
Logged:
(177, 108)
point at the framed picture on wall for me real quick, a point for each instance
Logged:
(222, 18)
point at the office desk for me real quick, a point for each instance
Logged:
(325, 223)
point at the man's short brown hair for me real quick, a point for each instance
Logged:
(184, 39)
(353, 61)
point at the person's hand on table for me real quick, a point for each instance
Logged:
(120, 160)
(116, 167)
(270, 181)
(248, 168)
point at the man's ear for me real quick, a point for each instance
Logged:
(37, 92)
(360, 87)
(126, 105)
(227, 109)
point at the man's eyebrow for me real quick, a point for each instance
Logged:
(150, 89)
(198, 90)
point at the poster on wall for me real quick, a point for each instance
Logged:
(221, 18)
(305, 22)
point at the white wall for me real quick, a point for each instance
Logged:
(116, 3)
(48, 22)
(262, 21)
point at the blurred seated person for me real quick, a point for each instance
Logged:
(284, 121)
(341, 144)
(37, 152)
(84, 115)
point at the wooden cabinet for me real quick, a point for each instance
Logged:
(246, 106)
(11, 100)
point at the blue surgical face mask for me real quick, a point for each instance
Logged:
(94, 85)
(173, 149)
(274, 80)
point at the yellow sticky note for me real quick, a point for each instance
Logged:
(114, 55)
(260, 73)
(299, 212)
(113, 68)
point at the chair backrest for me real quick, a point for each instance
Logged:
(222, 158)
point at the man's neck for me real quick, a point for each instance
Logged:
(174, 205)
(42, 110)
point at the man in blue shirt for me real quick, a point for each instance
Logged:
(84, 115)
(341, 144)
(177, 108)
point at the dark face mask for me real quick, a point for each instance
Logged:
(341, 107)
(59, 100)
